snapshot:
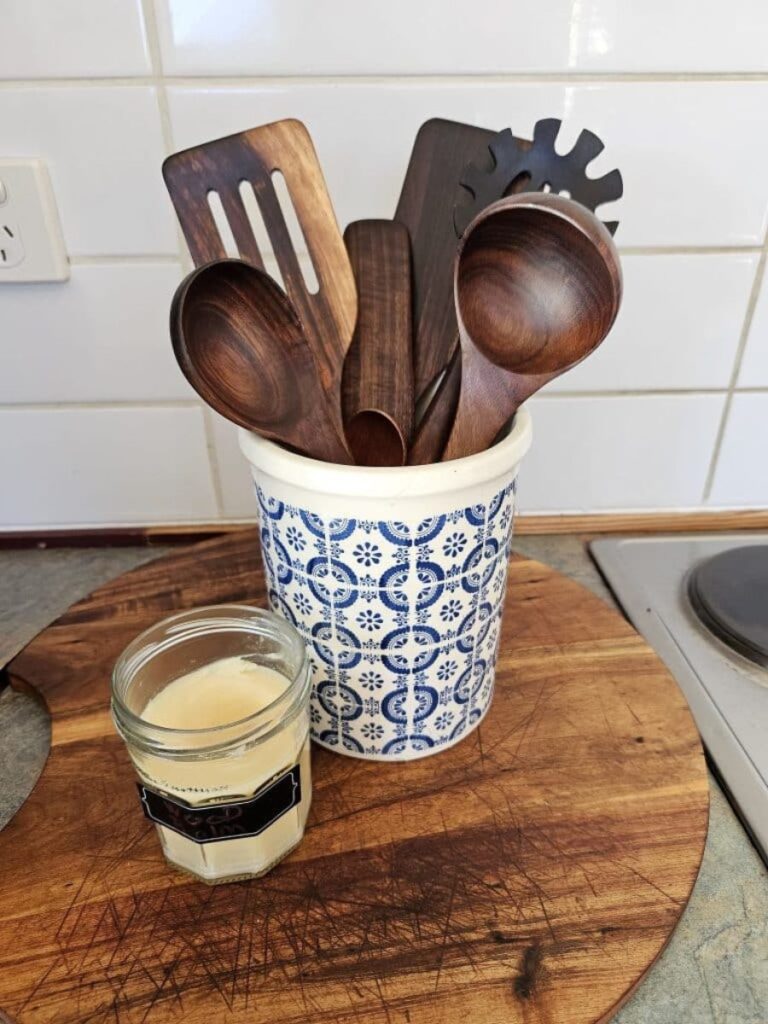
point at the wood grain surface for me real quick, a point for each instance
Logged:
(430, 190)
(328, 314)
(531, 874)
(538, 286)
(436, 423)
(240, 344)
(377, 385)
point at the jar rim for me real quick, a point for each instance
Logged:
(187, 617)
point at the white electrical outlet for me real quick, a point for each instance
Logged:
(31, 243)
(11, 245)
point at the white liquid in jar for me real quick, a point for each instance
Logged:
(224, 691)
(218, 694)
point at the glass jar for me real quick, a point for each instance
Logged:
(228, 800)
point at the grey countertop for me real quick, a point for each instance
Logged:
(715, 969)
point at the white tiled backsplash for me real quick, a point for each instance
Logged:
(97, 425)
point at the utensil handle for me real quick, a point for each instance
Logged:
(436, 423)
(377, 386)
(488, 398)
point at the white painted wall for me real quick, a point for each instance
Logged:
(96, 424)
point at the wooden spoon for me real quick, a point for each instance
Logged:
(537, 284)
(240, 344)
(254, 159)
(377, 385)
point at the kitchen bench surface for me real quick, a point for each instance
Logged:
(712, 972)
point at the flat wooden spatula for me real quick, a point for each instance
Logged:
(328, 313)
(430, 191)
(377, 386)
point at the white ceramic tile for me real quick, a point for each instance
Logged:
(67, 467)
(679, 325)
(72, 38)
(238, 495)
(741, 477)
(754, 365)
(281, 37)
(101, 336)
(104, 150)
(595, 454)
(663, 136)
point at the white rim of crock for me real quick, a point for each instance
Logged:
(387, 481)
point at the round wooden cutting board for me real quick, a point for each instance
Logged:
(532, 873)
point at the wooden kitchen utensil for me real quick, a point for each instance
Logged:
(377, 385)
(440, 154)
(532, 873)
(496, 162)
(437, 420)
(538, 286)
(240, 345)
(328, 312)
(522, 166)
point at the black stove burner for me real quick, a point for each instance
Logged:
(729, 593)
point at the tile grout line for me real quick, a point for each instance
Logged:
(554, 393)
(102, 405)
(158, 80)
(213, 459)
(118, 259)
(689, 250)
(239, 80)
(193, 402)
(625, 250)
(647, 392)
(732, 386)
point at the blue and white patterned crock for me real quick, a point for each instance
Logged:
(396, 580)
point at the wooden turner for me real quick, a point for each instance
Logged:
(327, 314)
(430, 191)
(378, 374)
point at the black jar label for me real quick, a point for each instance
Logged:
(213, 823)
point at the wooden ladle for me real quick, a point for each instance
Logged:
(240, 344)
(537, 284)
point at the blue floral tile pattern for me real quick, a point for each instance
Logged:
(401, 619)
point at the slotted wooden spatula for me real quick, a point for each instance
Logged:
(327, 314)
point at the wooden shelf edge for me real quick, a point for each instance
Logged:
(591, 523)
(646, 522)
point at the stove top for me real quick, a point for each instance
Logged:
(703, 606)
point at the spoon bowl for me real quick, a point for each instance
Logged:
(537, 284)
(535, 292)
(240, 344)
